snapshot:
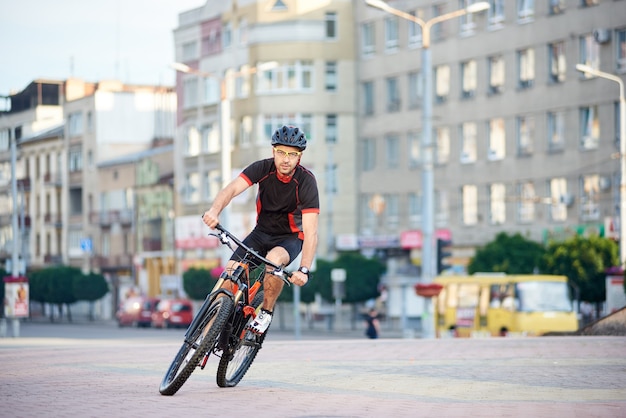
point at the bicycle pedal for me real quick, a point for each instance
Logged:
(249, 310)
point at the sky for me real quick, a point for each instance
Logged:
(127, 40)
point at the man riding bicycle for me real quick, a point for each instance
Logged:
(287, 214)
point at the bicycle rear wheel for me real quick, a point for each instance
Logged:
(236, 361)
(199, 343)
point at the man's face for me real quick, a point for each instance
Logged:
(286, 159)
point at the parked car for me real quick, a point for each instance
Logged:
(172, 313)
(136, 311)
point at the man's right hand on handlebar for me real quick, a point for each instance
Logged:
(210, 218)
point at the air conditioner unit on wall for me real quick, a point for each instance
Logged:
(566, 199)
(602, 35)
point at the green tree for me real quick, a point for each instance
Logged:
(584, 261)
(511, 254)
(90, 287)
(37, 288)
(59, 289)
(197, 283)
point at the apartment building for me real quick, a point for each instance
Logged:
(280, 62)
(523, 141)
(68, 206)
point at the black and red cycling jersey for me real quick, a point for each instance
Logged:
(281, 202)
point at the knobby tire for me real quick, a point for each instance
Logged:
(235, 363)
(200, 342)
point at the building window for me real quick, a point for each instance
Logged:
(556, 53)
(393, 94)
(75, 159)
(75, 124)
(525, 135)
(210, 139)
(497, 204)
(526, 207)
(331, 129)
(557, 190)
(589, 53)
(620, 44)
(392, 151)
(496, 74)
(438, 30)
(556, 131)
(190, 92)
(526, 68)
(557, 7)
(243, 31)
(415, 93)
(442, 83)
(442, 135)
(369, 154)
(469, 198)
(414, 148)
(391, 33)
(368, 44)
(415, 32)
(5, 143)
(467, 24)
(331, 75)
(192, 142)
(525, 10)
(442, 207)
(245, 131)
(495, 14)
(590, 127)
(392, 210)
(368, 98)
(191, 188)
(212, 184)
(331, 25)
(589, 197)
(227, 35)
(415, 210)
(468, 143)
(468, 79)
(497, 140)
(189, 51)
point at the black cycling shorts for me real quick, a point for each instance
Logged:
(262, 243)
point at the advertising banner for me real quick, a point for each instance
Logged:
(15, 297)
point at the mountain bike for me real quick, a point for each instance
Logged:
(220, 326)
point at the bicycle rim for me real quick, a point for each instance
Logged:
(200, 343)
(233, 367)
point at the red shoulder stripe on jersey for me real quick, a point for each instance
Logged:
(246, 178)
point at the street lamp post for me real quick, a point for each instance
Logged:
(427, 145)
(622, 153)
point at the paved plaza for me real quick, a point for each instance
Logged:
(93, 376)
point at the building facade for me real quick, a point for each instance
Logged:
(279, 62)
(523, 141)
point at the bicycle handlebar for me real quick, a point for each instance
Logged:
(224, 236)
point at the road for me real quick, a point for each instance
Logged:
(97, 370)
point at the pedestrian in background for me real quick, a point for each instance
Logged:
(372, 324)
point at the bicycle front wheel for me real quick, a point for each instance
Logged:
(236, 361)
(199, 343)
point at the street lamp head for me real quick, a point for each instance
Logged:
(179, 66)
(379, 4)
(477, 7)
(584, 68)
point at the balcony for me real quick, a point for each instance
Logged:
(53, 220)
(76, 178)
(52, 179)
(53, 259)
(152, 244)
(120, 261)
(125, 217)
(23, 184)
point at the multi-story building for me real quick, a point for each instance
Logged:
(281, 62)
(64, 130)
(523, 141)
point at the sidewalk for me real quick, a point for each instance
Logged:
(492, 377)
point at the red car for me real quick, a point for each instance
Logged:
(172, 313)
(136, 311)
